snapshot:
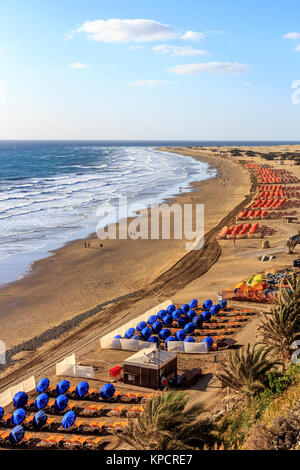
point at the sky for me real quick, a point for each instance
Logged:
(150, 69)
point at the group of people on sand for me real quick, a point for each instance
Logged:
(87, 244)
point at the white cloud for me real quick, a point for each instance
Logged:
(209, 67)
(297, 49)
(292, 36)
(180, 51)
(192, 36)
(148, 83)
(78, 65)
(116, 30)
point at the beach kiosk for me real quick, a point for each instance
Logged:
(150, 368)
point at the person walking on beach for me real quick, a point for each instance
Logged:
(84, 244)
(233, 240)
(89, 244)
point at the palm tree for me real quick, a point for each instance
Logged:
(246, 370)
(280, 327)
(169, 422)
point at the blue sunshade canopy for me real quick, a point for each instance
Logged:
(61, 402)
(206, 316)
(18, 416)
(198, 321)
(152, 319)
(161, 314)
(39, 419)
(154, 339)
(16, 434)
(42, 385)
(191, 314)
(68, 419)
(107, 391)
(62, 387)
(141, 325)
(20, 399)
(209, 341)
(146, 333)
(189, 339)
(182, 321)
(170, 338)
(176, 314)
(223, 304)
(180, 335)
(164, 334)
(129, 333)
(193, 303)
(41, 401)
(184, 308)
(157, 326)
(207, 304)
(168, 320)
(189, 328)
(82, 389)
(117, 336)
(171, 308)
(215, 309)
(1, 412)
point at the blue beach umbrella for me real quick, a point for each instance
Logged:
(129, 333)
(141, 325)
(214, 310)
(41, 401)
(182, 321)
(198, 321)
(157, 326)
(154, 339)
(161, 314)
(18, 416)
(62, 387)
(152, 319)
(118, 337)
(16, 434)
(170, 338)
(146, 333)
(180, 335)
(189, 328)
(223, 304)
(42, 385)
(168, 320)
(20, 399)
(39, 419)
(184, 308)
(61, 402)
(164, 334)
(176, 314)
(1, 412)
(171, 308)
(206, 316)
(107, 391)
(208, 340)
(191, 314)
(136, 337)
(68, 419)
(82, 388)
(207, 304)
(189, 339)
(193, 303)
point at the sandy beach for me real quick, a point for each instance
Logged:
(79, 292)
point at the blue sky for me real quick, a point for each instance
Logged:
(148, 69)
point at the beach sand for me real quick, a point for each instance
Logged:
(74, 280)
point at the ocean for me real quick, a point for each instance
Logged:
(50, 191)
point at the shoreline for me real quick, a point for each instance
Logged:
(23, 324)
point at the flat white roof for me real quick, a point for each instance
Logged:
(150, 359)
